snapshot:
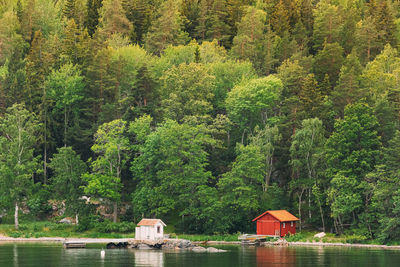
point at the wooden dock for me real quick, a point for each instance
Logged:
(247, 239)
(82, 242)
(74, 244)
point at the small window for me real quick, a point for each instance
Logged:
(158, 229)
(283, 225)
(291, 224)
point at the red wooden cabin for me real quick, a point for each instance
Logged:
(276, 223)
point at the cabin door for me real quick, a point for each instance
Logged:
(277, 227)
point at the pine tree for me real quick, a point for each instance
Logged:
(69, 10)
(92, 17)
(381, 12)
(348, 89)
(38, 63)
(328, 61)
(218, 27)
(166, 30)
(327, 24)
(248, 43)
(113, 19)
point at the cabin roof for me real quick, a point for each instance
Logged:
(280, 215)
(150, 222)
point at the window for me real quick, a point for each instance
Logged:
(283, 225)
(158, 229)
(291, 224)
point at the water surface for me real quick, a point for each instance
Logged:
(52, 254)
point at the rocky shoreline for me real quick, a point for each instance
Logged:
(177, 244)
(171, 244)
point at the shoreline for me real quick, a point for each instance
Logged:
(62, 240)
(4, 239)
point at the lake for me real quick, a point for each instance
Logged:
(51, 254)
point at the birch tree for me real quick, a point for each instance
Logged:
(18, 135)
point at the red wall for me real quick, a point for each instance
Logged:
(268, 225)
(288, 228)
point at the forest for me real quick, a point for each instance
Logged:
(204, 113)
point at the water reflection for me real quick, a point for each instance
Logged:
(15, 252)
(148, 258)
(275, 256)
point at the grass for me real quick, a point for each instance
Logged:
(308, 236)
(50, 229)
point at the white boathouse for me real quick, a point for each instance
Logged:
(150, 229)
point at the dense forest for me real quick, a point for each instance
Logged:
(204, 113)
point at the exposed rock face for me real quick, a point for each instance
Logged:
(320, 235)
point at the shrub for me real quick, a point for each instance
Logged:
(294, 238)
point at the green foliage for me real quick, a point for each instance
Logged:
(67, 182)
(252, 102)
(208, 132)
(167, 29)
(186, 92)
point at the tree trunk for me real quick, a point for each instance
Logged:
(77, 218)
(115, 213)
(309, 204)
(65, 127)
(322, 215)
(300, 196)
(16, 216)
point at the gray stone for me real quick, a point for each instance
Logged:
(199, 249)
(214, 250)
(66, 221)
(143, 246)
(320, 235)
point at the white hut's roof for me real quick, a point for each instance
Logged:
(150, 222)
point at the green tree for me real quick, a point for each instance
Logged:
(352, 151)
(248, 43)
(110, 147)
(253, 102)
(367, 36)
(113, 19)
(186, 92)
(348, 89)
(327, 24)
(66, 183)
(133, 86)
(18, 136)
(166, 30)
(329, 60)
(307, 156)
(92, 17)
(65, 87)
(170, 170)
(218, 27)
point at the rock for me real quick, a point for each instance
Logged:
(281, 242)
(65, 221)
(143, 246)
(213, 250)
(184, 244)
(199, 249)
(320, 235)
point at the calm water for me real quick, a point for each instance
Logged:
(40, 255)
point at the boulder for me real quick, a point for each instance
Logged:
(199, 249)
(213, 250)
(143, 246)
(65, 221)
(320, 235)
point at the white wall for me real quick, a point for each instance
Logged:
(149, 232)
